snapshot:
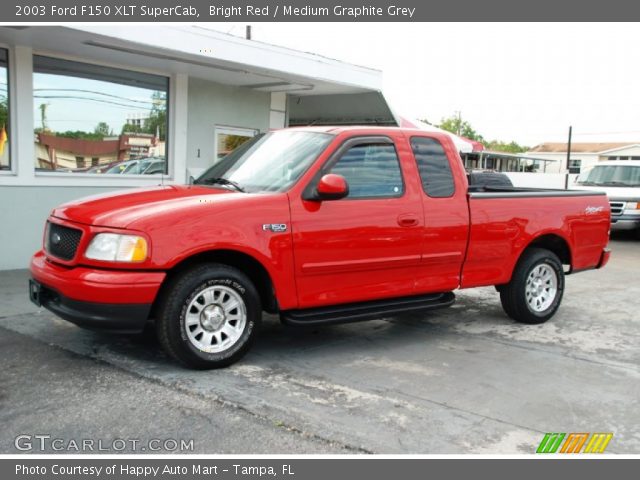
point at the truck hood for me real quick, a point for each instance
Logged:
(614, 193)
(120, 209)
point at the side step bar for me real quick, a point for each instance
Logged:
(356, 312)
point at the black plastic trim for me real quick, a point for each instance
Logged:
(356, 312)
(116, 318)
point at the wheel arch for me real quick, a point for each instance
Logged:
(554, 243)
(249, 265)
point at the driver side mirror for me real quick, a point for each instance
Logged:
(331, 187)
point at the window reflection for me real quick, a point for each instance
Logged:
(99, 120)
(5, 160)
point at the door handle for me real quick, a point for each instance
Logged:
(407, 220)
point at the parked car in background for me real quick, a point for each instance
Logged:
(620, 180)
(141, 166)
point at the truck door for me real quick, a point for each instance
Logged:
(446, 214)
(366, 245)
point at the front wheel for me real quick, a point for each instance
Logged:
(535, 291)
(209, 316)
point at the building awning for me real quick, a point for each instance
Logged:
(201, 52)
(368, 108)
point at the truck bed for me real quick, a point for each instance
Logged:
(503, 220)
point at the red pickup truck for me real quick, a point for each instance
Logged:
(318, 225)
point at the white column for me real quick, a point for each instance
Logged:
(278, 110)
(178, 127)
(21, 93)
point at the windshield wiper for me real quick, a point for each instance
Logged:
(223, 181)
(614, 184)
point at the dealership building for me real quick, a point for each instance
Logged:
(584, 155)
(91, 109)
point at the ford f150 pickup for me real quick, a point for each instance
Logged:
(319, 225)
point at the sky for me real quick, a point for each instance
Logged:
(511, 81)
(80, 104)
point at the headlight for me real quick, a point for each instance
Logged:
(113, 247)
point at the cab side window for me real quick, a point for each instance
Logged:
(371, 170)
(434, 168)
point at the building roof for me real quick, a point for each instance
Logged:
(86, 147)
(202, 53)
(580, 147)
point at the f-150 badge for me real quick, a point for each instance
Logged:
(274, 227)
(591, 210)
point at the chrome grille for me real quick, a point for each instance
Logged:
(616, 208)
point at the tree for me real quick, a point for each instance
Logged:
(511, 147)
(78, 134)
(157, 120)
(102, 129)
(455, 124)
(4, 113)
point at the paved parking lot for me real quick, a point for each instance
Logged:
(462, 380)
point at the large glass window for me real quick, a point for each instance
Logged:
(575, 165)
(434, 168)
(100, 120)
(371, 170)
(5, 159)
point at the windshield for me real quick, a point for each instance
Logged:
(267, 163)
(612, 176)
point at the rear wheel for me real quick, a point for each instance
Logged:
(209, 316)
(535, 291)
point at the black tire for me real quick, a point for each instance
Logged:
(187, 288)
(514, 294)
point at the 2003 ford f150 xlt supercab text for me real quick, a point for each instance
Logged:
(319, 225)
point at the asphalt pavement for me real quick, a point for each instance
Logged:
(462, 380)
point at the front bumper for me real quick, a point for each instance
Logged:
(625, 222)
(113, 300)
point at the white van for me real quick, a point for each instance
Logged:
(620, 180)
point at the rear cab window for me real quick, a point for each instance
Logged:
(433, 165)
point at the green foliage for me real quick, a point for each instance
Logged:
(455, 124)
(102, 129)
(4, 112)
(156, 123)
(461, 127)
(78, 134)
(500, 146)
